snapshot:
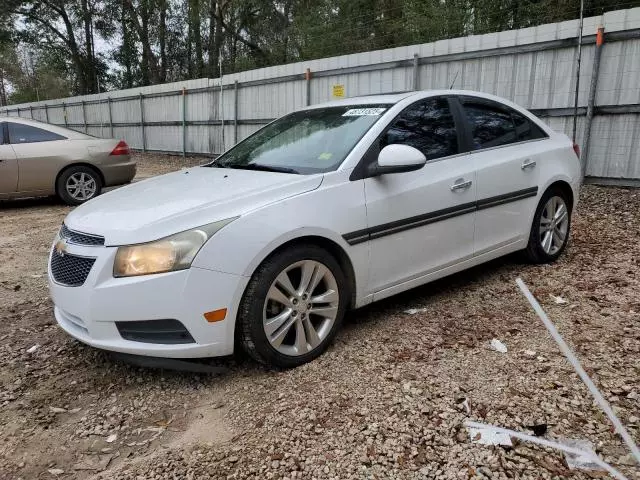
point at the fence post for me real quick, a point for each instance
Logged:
(235, 112)
(416, 73)
(110, 116)
(84, 116)
(307, 77)
(64, 113)
(593, 89)
(18, 110)
(184, 122)
(144, 137)
(46, 112)
(31, 111)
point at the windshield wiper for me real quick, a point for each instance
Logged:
(264, 168)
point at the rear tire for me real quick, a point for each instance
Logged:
(78, 184)
(550, 229)
(292, 307)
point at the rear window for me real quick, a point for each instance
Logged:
(525, 128)
(493, 124)
(20, 133)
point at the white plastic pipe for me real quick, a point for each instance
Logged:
(583, 375)
(551, 444)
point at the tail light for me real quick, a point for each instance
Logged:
(121, 149)
(576, 148)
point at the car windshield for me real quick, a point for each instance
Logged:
(305, 142)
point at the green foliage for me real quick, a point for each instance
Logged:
(85, 46)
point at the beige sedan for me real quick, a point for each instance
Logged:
(39, 159)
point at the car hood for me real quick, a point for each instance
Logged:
(178, 201)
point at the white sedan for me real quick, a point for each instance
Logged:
(324, 210)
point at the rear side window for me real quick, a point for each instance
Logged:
(427, 125)
(525, 128)
(491, 125)
(20, 133)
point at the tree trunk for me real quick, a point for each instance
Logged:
(126, 48)
(211, 40)
(286, 32)
(3, 92)
(149, 62)
(76, 57)
(197, 38)
(162, 36)
(190, 67)
(217, 45)
(88, 36)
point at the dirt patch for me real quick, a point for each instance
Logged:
(386, 401)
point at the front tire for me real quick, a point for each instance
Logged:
(293, 307)
(551, 227)
(78, 184)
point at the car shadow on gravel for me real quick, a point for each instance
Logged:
(421, 295)
(29, 203)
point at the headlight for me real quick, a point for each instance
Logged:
(175, 252)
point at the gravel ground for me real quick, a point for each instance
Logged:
(386, 401)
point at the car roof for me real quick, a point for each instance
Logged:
(393, 98)
(66, 132)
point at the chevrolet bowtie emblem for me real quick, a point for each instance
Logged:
(61, 247)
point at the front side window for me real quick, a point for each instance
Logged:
(2, 125)
(427, 125)
(20, 133)
(491, 125)
(306, 142)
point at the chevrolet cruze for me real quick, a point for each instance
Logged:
(321, 211)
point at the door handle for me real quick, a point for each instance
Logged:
(461, 184)
(528, 163)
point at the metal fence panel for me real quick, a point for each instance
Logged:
(535, 67)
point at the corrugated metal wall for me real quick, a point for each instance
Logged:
(535, 67)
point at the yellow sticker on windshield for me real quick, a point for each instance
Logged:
(325, 156)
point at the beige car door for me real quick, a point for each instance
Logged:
(8, 164)
(40, 154)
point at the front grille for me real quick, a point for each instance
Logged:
(81, 238)
(70, 270)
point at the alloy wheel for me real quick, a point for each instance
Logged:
(554, 225)
(300, 308)
(81, 186)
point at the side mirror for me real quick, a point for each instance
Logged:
(397, 159)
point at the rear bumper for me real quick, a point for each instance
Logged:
(119, 173)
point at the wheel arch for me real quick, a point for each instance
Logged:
(78, 164)
(331, 246)
(564, 187)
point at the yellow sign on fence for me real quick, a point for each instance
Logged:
(338, 91)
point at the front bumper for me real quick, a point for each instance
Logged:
(90, 312)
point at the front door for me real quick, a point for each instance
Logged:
(40, 156)
(8, 164)
(421, 221)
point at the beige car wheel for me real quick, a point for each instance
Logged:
(78, 184)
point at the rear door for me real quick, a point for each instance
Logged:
(40, 156)
(8, 163)
(506, 150)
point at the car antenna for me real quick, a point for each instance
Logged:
(454, 80)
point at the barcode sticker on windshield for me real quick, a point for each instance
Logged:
(359, 112)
